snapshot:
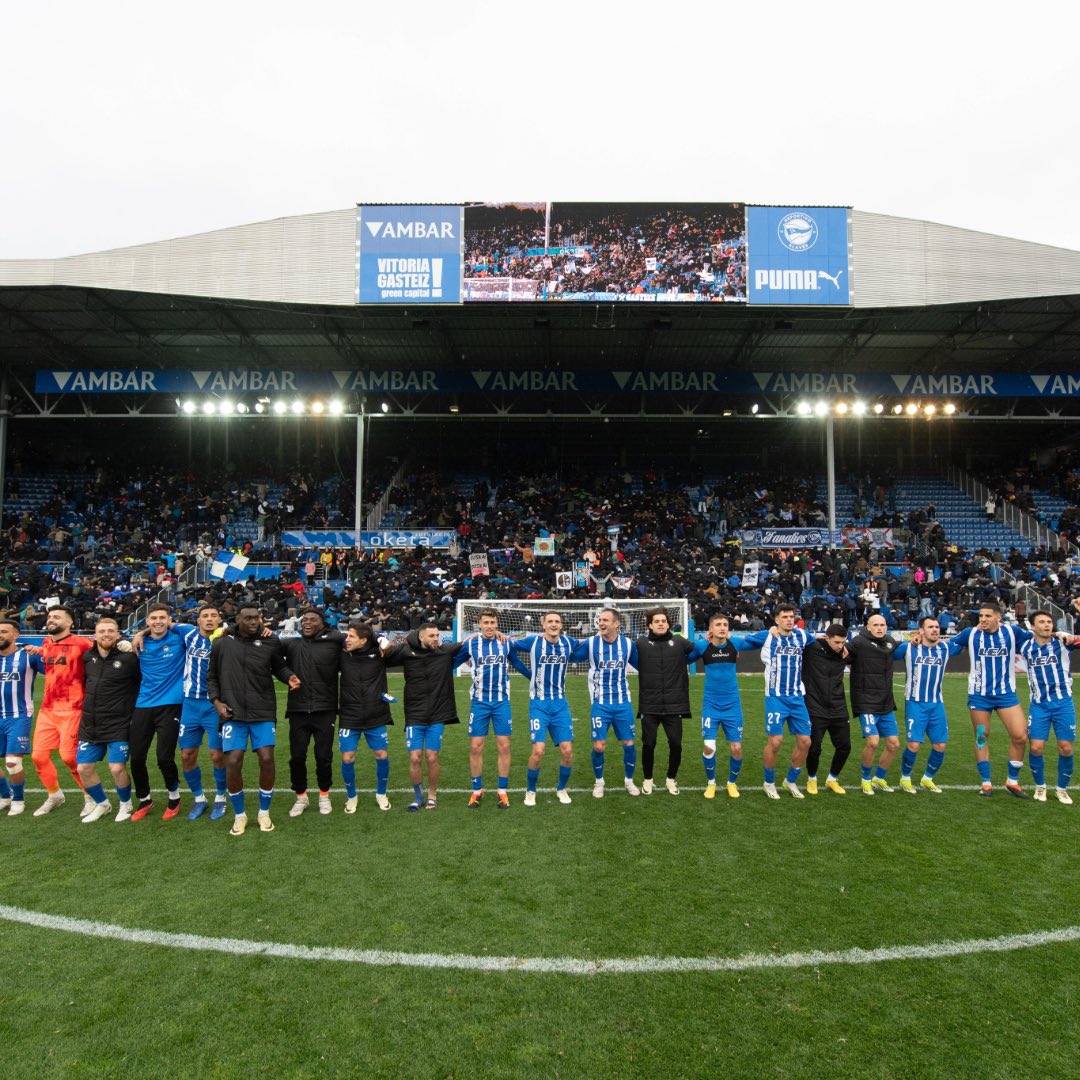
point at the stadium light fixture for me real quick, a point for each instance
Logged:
(241, 407)
(260, 407)
(209, 408)
(226, 408)
(820, 408)
(803, 408)
(754, 409)
(912, 408)
(878, 408)
(188, 407)
(455, 408)
(297, 407)
(841, 408)
(859, 408)
(950, 408)
(318, 407)
(385, 408)
(930, 409)
(897, 409)
(336, 407)
(280, 408)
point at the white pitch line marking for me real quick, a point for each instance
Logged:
(638, 965)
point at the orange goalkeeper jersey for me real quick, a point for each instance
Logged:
(65, 682)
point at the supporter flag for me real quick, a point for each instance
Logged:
(479, 565)
(544, 545)
(564, 579)
(750, 573)
(228, 566)
(622, 581)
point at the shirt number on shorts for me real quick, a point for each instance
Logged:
(226, 731)
(773, 717)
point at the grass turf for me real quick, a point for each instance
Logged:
(617, 877)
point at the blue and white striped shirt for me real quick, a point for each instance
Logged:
(1048, 671)
(490, 671)
(196, 662)
(608, 661)
(782, 657)
(17, 674)
(924, 667)
(992, 658)
(548, 661)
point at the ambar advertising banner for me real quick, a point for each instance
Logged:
(798, 255)
(408, 254)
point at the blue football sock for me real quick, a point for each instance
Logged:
(96, 792)
(348, 778)
(984, 771)
(5, 789)
(264, 799)
(219, 781)
(867, 771)
(629, 760)
(18, 791)
(934, 762)
(793, 773)
(1038, 768)
(193, 778)
(532, 778)
(880, 773)
(237, 801)
(1065, 771)
(124, 793)
(477, 783)
(907, 761)
(1014, 771)
(734, 766)
(770, 776)
(565, 770)
(382, 774)
(418, 792)
(598, 764)
(710, 768)
(504, 783)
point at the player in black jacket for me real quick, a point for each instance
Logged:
(314, 658)
(112, 684)
(872, 701)
(824, 664)
(364, 712)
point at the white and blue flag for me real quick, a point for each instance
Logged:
(228, 566)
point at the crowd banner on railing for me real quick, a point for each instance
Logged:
(379, 538)
(784, 538)
(408, 254)
(877, 538)
(798, 255)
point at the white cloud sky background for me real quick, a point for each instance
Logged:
(131, 122)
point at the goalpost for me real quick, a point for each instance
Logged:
(518, 618)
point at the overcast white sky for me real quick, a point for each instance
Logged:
(130, 122)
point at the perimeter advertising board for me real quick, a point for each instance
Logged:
(798, 255)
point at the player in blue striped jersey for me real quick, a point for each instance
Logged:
(489, 655)
(550, 654)
(1050, 681)
(991, 649)
(781, 649)
(610, 653)
(17, 672)
(925, 658)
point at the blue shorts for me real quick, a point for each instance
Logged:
(550, 716)
(620, 717)
(878, 723)
(1058, 714)
(235, 734)
(990, 702)
(378, 738)
(424, 736)
(15, 736)
(789, 710)
(196, 717)
(90, 753)
(483, 714)
(926, 719)
(730, 720)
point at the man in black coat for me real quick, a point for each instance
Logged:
(112, 685)
(824, 664)
(365, 711)
(314, 658)
(663, 694)
(429, 702)
(871, 653)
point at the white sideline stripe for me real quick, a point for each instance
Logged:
(562, 965)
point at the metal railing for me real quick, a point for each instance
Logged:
(196, 574)
(378, 511)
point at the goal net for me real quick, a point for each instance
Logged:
(518, 618)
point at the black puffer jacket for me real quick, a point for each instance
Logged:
(112, 685)
(823, 676)
(871, 673)
(363, 683)
(663, 675)
(429, 680)
(315, 661)
(241, 674)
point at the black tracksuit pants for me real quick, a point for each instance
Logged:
(163, 721)
(303, 727)
(839, 732)
(650, 727)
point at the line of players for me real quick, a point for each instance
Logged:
(102, 700)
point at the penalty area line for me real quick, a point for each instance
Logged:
(640, 965)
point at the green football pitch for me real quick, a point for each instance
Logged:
(966, 912)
